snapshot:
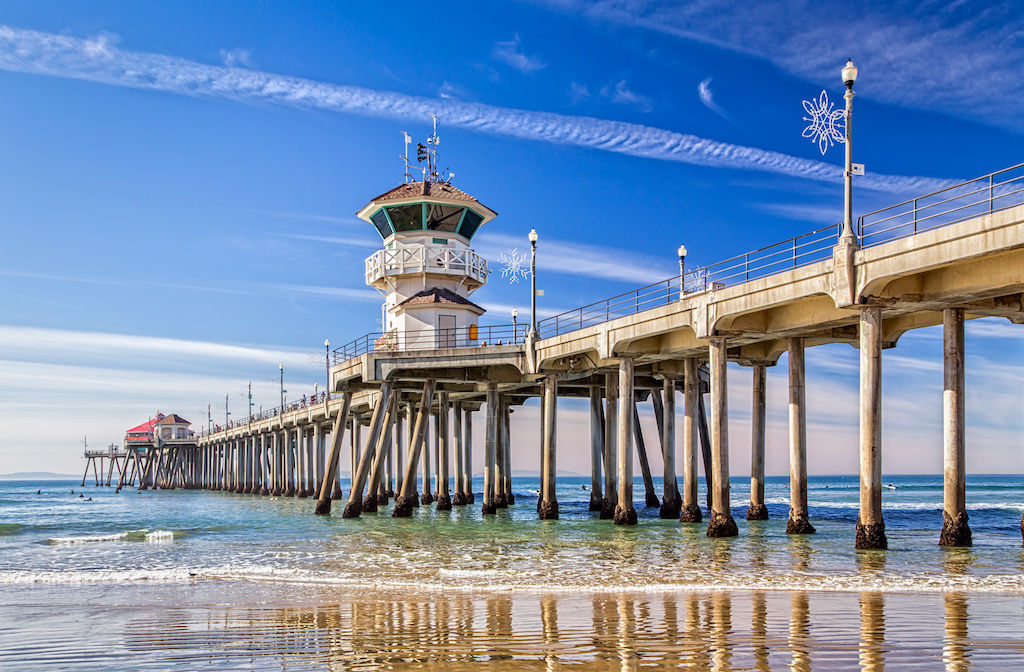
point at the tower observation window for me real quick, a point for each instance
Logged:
(442, 217)
(470, 223)
(380, 220)
(407, 217)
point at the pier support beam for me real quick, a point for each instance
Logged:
(690, 512)
(721, 523)
(650, 496)
(625, 514)
(596, 446)
(506, 452)
(467, 429)
(427, 497)
(549, 505)
(757, 510)
(404, 413)
(355, 494)
(955, 530)
(376, 477)
(323, 503)
(501, 447)
(798, 522)
(490, 451)
(444, 498)
(870, 526)
(459, 495)
(407, 499)
(611, 414)
(671, 502)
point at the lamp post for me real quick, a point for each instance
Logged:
(226, 412)
(533, 283)
(282, 387)
(515, 330)
(209, 419)
(849, 77)
(250, 402)
(682, 269)
(327, 362)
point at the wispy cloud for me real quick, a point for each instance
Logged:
(578, 93)
(803, 212)
(347, 241)
(337, 292)
(63, 56)
(958, 58)
(126, 282)
(621, 94)
(233, 58)
(590, 261)
(707, 98)
(511, 54)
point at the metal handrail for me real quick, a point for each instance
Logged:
(431, 339)
(983, 195)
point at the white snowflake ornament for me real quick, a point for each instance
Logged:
(515, 265)
(827, 126)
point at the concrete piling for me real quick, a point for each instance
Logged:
(459, 495)
(467, 428)
(757, 510)
(444, 499)
(721, 523)
(798, 522)
(611, 414)
(549, 504)
(665, 410)
(625, 514)
(870, 525)
(323, 504)
(490, 450)
(955, 528)
(407, 499)
(690, 512)
(650, 495)
(355, 494)
(596, 447)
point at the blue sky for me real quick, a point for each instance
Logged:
(180, 182)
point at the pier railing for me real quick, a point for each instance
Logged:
(432, 339)
(983, 195)
(973, 198)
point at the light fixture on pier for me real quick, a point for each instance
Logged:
(849, 74)
(515, 330)
(682, 268)
(282, 387)
(533, 283)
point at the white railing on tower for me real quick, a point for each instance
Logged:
(425, 259)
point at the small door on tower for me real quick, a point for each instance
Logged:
(446, 331)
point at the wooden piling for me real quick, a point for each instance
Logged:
(549, 503)
(720, 523)
(955, 529)
(757, 510)
(625, 514)
(870, 525)
(798, 522)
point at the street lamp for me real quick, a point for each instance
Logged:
(515, 330)
(282, 387)
(250, 402)
(327, 360)
(533, 283)
(226, 412)
(849, 77)
(682, 269)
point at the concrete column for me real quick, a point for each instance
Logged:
(301, 451)
(355, 494)
(263, 453)
(549, 504)
(407, 499)
(289, 464)
(757, 510)
(611, 414)
(798, 522)
(459, 496)
(870, 526)
(318, 458)
(444, 499)
(596, 447)
(690, 512)
(355, 440)
(467, 428)
(955, 529)
(650, 496)
(328, 484)
(427, 496)
(311, 461)
(721, 523)
(400, 448)
(490, 450)
(500, 496)
(671, 503)
(625, 514)
(389, 473)
(375, 479)
(275, 465)
(506, 453)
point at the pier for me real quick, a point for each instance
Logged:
(938, 259)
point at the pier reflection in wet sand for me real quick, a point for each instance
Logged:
(720, 630)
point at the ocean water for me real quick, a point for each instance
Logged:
(188, 579)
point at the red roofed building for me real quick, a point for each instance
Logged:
(168, 428)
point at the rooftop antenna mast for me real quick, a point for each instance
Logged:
(433, 141)
(408, 171)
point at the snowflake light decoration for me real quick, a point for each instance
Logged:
(827, 125)
(515, 265)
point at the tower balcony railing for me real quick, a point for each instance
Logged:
(414, 258)
(432, 339)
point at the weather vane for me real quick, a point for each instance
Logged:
(827, 125)
(514, 265)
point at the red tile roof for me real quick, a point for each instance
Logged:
(440, 296)
(426, 189)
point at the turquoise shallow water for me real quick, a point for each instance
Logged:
(195, 579)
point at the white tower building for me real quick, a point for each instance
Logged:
(426, 269)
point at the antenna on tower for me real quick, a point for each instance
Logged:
(408, 174)
(427, 153)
